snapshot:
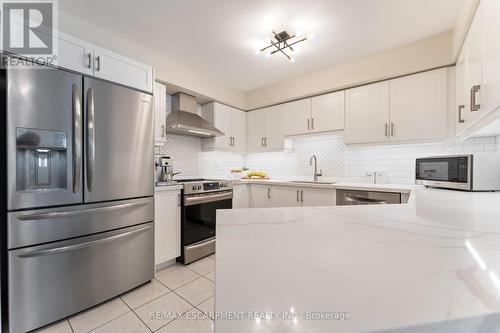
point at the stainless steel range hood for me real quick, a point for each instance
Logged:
(184, 120)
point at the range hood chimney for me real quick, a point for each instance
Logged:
(184, 120)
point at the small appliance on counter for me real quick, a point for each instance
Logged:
(164, 171)
(467, 172)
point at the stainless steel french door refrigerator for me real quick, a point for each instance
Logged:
(77, 222)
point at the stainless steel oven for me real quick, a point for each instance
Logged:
(200, 201)
(477, 172)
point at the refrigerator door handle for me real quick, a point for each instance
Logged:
(90, 140)
(68, 248)
(77, 138)
(52, 215)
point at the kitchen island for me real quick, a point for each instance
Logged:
(431, 265)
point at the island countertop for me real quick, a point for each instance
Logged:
(431, 265)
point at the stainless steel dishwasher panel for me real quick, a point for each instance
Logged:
(355, 197)
(52, 281)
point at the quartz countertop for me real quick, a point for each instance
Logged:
(431, 265)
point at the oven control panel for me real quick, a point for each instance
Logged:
(207, 186)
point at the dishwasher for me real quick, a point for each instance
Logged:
(355, 197)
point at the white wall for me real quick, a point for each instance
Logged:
(167, 70)
(421, 55)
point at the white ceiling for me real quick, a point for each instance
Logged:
(218, 37)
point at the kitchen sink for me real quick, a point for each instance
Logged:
(311, 182)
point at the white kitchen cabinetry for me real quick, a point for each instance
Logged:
(310, 197)
(367, 114)
(160, 105)
(260, 196)
(418, 106)
(285, 196)
(75, 54)
(229, 120)
(115, 67)
(322, 113)
(478, 73)
(266, 129)
(298, 117)
(84, 57)
(327, 112)
(241, 196)
(167, 225)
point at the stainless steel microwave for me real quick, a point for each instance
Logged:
(468, 172)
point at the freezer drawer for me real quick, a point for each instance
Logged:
(118, 142)
(53, 281)
(27, 228)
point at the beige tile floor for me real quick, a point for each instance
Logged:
(188, 290)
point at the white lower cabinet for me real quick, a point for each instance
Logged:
(260, 196)
(285, 196)
(263, 196)
(167, 225)
(241, 196)
(317, 197)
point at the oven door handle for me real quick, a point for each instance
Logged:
(199, 199)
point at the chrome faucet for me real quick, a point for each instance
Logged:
(316, 174)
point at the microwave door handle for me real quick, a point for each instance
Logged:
(77, 138)
(90, 139)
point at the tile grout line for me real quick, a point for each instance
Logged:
(194, 306)
(92, 330)
(135, 314)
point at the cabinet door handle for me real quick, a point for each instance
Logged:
(262, 141)
(393, 131)
(298, 196)
(301, 196)
(234, 141)
(473, 93)
(162, 131)
(460, 119)
(386, 130)
(269, 193)
(265, 141)
(308, 124)
(178, 200)
(312, 123)
(89, 57)
(98, 63)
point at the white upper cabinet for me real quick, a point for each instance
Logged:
(256, 130)
(266, 129)
(367, 114)
(275, 128)
(298, 117)
(327, 112)
(418, 106)
(490, 11)
(75, 54)
(86, 58)
(160, 98)
(324, 113)
(229, 120)
(115, 67)
(478, 72)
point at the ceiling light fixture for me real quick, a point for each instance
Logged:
(282, 42)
